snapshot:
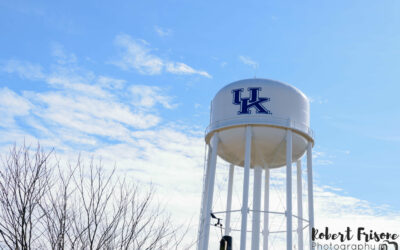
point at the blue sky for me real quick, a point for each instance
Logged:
(106, 78)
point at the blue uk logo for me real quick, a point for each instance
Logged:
(253, 101)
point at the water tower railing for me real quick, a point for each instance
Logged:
(258, 120)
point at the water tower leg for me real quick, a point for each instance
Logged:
(210, 190)
(299, 207)
(266, 208)
(255, 237)
(204, 201)
(229, 200)
(289, 211)
(245, 199)
(310, 192)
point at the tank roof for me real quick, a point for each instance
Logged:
(270, 82)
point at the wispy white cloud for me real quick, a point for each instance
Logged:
(162, 32)
(248, 61)
(183, 69)
(136, 54)
(24, 69)
(76, 84)
(11, 106)
(93, 116)
(110, 83)
(322, 158)
(147, 96)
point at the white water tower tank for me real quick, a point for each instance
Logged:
(258, 124)
(270, 106)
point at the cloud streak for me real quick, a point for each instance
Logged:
(162, 32)
(248, 61)
(148, 96)
(24, 69)
(137, 55)
(12, 105)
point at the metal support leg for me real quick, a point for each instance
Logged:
(229, 200)
(204, 202)
(289, 190)
(255, 239)
(266, 208)
(210, 190)
(299, 207)
(310, 192)
(245, 189)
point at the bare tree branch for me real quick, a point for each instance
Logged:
(80, 206)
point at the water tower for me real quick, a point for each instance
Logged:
(258, 124)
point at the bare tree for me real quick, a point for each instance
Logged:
(24, 181)
(81, 206)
